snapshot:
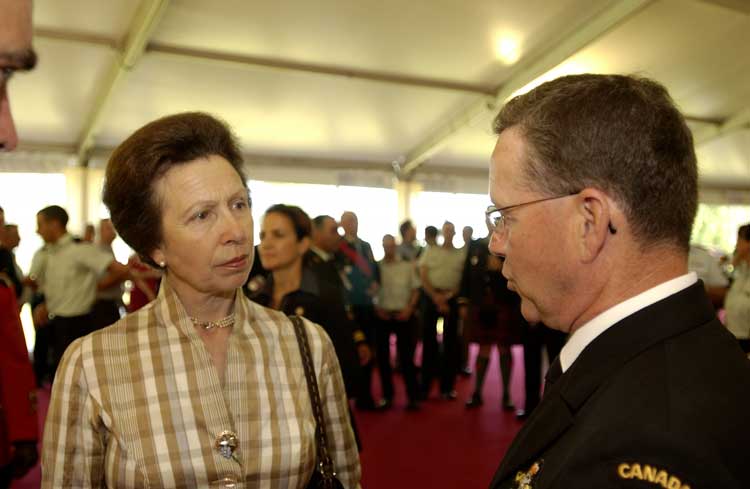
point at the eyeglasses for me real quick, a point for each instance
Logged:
(496, 217)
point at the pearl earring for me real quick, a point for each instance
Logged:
(162, 264)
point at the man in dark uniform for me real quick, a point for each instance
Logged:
(321, 260)
(594, 185)
(355, 260)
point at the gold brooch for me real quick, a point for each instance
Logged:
(227, 443)
(524, 479)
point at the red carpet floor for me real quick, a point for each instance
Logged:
(440, 447)
(444, 445)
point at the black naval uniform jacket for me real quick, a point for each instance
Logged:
(659, 400)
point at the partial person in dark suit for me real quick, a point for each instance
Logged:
(594, 185)
(355, 260)
(320, 259)
(491, 315)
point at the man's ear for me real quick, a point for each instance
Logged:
(594, 210)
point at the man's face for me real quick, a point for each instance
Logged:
(389, 247)
(15, 54)
(44, 228)
(329, 236)
(410, 235)
(534, 238)
(10, 238)
(449, 231)
(349, 223)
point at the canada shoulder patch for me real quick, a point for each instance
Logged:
(650, 473)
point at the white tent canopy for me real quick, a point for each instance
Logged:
(353, 91)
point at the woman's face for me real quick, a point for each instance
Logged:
(279, 247)
(207, 227)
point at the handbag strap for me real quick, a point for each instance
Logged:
(321, 440)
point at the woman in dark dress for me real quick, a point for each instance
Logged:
(292, 285)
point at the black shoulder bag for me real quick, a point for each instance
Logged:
(324, 476)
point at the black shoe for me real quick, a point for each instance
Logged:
(508, 404)
(474, 402)
(449, 396)
(465, 372)
(383, 405)
(522, 414)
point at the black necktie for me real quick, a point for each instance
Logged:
(554, 373)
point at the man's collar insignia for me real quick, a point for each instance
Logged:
(524, 480)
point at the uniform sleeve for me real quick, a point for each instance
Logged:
(659, 461)
(74, 440)
(93, 258)
(341, 443)
(17, 384)
(38, 262)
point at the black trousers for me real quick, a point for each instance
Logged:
(535, 338)
(434, 364)
(6, 476)
(104, 313)
(364, 318)
(405, 331)
(63, 331)
(42, 368)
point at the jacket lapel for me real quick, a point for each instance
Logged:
(686, 310)
(549, 420)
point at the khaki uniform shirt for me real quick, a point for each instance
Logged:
(70, 274)
(398, 279)
(737, 303)
(139, 404)
(444, 267)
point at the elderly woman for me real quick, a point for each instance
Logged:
(200, 387)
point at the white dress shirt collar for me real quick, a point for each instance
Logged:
(587, 333)
(321, 253)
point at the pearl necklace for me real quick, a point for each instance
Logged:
(226, 322)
